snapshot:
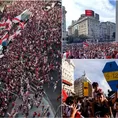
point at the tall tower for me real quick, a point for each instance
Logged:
(116, 21)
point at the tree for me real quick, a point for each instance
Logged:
(70, 39)
(83, 37)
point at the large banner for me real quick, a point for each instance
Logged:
(110, 72)
(86, 89)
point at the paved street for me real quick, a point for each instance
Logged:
(53, 95)
(35, 109)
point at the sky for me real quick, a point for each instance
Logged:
(93, 70)
(105, 8)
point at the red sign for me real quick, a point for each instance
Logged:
(89, 13)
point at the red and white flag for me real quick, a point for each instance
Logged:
(24, 15)
(4, 38)
(85, 44)
(8, 24)
(3, 25)
(66, 54)
(21, 25)
(17, 19)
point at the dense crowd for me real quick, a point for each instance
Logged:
(33, 55)
(29, 102)
(97, 106)
(92, 51)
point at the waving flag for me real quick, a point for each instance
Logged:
(8, 24)
(66, 54)
(2, 25)
(21, 25)
(24, 16)
(110, 72)
(64, 95)
(85, 44)
(4, 38)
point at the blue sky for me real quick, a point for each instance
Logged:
(105, 8)
(113, 2)
(93, 69)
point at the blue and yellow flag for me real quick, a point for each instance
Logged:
(111, 74)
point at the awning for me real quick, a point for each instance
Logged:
(66, 82)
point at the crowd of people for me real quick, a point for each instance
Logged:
(28, 103)
(92, 51)
(33, 55)
(97, 106)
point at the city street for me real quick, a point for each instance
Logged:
(53, 95)
(35, 109)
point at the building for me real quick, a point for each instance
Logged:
(83, 86)
(111, 28)
(68, 76)
(106, 30)
(103, 31)
(64, 32)
(88, 24)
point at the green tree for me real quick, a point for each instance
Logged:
(83, 37)
(70, 39)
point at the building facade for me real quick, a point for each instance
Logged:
(68, 76)
(64, 32)
(88, 24)
(106, 30)
(83, 86)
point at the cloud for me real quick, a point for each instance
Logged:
(93, 69)
(75, 8)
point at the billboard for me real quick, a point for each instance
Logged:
(85, 88)
(89, 13)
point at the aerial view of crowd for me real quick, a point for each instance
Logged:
(91, 51)
(32, 54)
(97, 106)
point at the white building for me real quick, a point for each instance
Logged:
(85, 25)
(91, 27)
(106, 30)
(83, 86)
(68, 76)
(64, 32)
